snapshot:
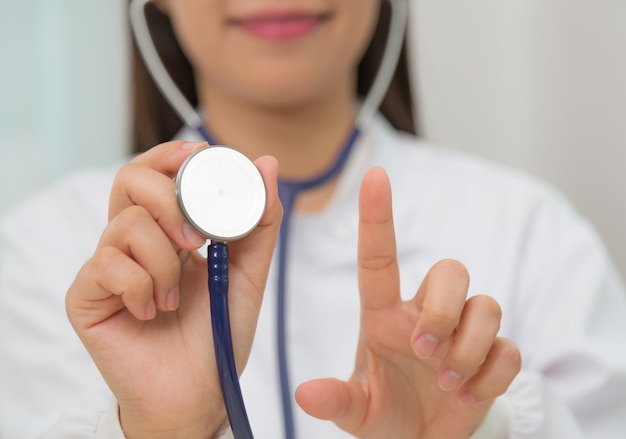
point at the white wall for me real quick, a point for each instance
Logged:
(62, 90)
(537, 84)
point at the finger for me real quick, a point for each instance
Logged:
(333, 400)
(440, 300)
(137, 235)
(474, 337)
(109, 282)
(501, 366)
(167, 158)
(379, 279)
(138, 185)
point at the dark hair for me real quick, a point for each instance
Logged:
(155, 122)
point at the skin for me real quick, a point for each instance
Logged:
(295, 98)
(426, 368)
(403, 386)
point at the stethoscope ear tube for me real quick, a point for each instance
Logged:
(157, 70)
(389, 63)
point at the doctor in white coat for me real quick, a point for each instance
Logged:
(438, 342)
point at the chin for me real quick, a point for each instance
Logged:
(278, 93)
(282, 100)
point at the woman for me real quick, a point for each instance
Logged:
(433, 357)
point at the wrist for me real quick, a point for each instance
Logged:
(210, 427)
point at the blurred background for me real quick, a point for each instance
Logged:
(63, 90)
(539, 85)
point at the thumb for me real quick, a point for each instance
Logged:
(329, 399)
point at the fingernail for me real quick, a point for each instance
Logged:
(425, 346)
(467, 398)
(192, 146)
(150, 310)
(450, 380)
(171, 301)
(192, 236)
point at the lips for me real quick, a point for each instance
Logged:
(280, 25)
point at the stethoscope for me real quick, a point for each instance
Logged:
(221, 194)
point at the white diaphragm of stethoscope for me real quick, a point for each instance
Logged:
(221, 193)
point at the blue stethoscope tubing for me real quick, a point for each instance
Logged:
(288, 191)
(217, 261)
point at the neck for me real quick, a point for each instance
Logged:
(305, 139)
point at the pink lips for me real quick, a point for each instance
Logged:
(280, 26)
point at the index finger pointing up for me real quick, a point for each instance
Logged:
(379, 279)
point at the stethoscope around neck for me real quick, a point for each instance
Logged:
(209, 201)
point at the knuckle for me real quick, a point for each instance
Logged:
(510, 354)
(136, 213)
(135, 282)
(376, 263)
(502, 365)
(442, 317)
(489, 307)
(124, 175)
(440, 323)
(466, 359)
(132, 218)
(140, 282)
(125, 226)
(451, 269)
(104, 258)
(115, 271)
(172, 269)
(138, 159)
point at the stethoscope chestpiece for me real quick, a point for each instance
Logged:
(221, 193)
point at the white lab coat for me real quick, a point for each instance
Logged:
(523, 244)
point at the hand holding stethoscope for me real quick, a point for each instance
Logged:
(160, 363)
